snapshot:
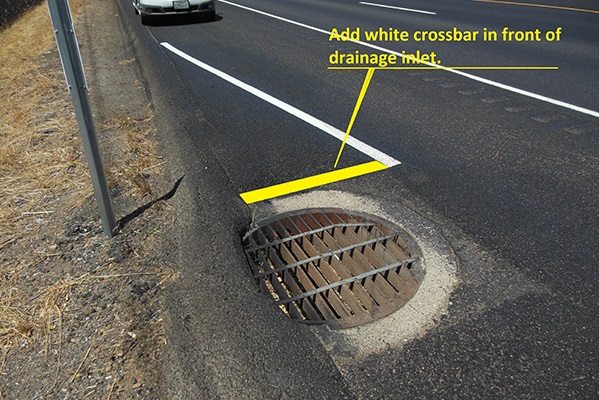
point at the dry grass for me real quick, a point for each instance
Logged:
(39, 143)
(133, 172)
(44, 311)
(44, 180)
(40, 156)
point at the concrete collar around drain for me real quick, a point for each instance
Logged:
(415, 318)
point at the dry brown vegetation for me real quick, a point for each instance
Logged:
(39, 146)
(39, 150)
(79, 313)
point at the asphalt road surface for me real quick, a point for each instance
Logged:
(503, 163)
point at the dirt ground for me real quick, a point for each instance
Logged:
(80, 313)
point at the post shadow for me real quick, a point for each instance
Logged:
(131, 216)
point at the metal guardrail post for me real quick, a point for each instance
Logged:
(60, 13)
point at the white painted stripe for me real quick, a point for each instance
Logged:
(323, 126)
(453, 71)
(398, 8)
(276, 17)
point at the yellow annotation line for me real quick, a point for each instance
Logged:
(539, 5)
(310, 182)
(441, 67)
(355, 113)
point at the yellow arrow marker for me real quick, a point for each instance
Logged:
(356, 108)
(311, 182)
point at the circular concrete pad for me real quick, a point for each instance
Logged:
(417, 316)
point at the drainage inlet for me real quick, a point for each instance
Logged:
(334, 267)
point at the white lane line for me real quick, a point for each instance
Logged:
(323, 126)
(398, 8)
(453, 71)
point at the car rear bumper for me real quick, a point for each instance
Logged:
(161, 8)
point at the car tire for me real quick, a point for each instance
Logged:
(145, 19)
(211, 16)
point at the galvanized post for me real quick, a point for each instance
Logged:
(60, 13)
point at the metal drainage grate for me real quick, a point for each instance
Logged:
(333, 267)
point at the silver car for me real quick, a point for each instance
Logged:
(148, 9)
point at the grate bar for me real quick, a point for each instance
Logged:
(366, 263)
(326, 267)
(346, 281)
(299, 281)
(324, 255)
(299, 235)
(330, 266)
